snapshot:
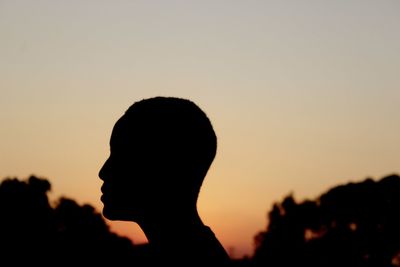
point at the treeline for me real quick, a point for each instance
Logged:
(357, 225)
(33, 231)
(352, 225)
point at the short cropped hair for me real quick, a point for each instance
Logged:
(175, 128)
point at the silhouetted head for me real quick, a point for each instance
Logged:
(161, 150)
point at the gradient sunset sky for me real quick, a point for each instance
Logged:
(303, 95)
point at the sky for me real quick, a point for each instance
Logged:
(303, 95)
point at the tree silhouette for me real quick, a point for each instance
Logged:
(356, 224)
(32, 231)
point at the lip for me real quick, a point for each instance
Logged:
(102, 189)
(104, 201)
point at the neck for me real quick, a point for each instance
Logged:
(171, 227)
(181, 237)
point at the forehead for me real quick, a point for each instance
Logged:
(134, 132)
(123, 133)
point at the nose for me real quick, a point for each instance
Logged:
(104, 170)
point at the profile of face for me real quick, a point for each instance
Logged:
(160, 151)
(124, 176)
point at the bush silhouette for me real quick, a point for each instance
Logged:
(351, 225)
(33, 231)
(355, 225)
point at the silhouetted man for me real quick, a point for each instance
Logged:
(161, 150)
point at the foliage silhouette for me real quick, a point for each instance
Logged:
(357, 225)
(350, 225)
(34, 232)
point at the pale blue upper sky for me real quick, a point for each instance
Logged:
(303, 95)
